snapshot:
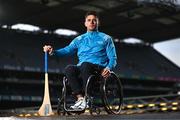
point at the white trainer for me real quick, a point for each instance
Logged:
(80, 104)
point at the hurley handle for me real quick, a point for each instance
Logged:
(46, 62)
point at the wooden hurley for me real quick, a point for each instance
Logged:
(46, 109)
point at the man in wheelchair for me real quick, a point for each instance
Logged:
(95, 51)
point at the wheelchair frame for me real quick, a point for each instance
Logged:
(62, 104)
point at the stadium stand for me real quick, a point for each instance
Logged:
(145, 62)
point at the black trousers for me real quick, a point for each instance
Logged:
(78, 75)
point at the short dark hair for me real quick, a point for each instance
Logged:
(92, 13)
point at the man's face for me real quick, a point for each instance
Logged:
(91, 22)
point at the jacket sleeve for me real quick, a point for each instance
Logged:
(111, 53)
(68, 50)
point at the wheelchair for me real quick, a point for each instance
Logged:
(111, 95)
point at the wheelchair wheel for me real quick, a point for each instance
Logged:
(112, 94)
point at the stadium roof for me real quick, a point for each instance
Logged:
(144, 20)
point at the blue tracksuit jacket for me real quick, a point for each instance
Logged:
(94, 47)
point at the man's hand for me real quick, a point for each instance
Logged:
(106, 72)
(48, 48)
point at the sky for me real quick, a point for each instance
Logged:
(170, 49)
